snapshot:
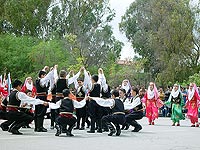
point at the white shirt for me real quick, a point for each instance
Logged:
(26, 99)
(75, 103)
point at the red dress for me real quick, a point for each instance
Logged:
(192, 106)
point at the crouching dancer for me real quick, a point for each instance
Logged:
(66, 117)
(136, 110)
(117, 116)
(14, 101)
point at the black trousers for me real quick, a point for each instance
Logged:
(19, 118)
(40, 112)
(7, 123)
(132, 117)
(116, 119)
(81, 114)
(96, 114)
(64, 121)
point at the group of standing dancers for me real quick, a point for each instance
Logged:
(93, 103)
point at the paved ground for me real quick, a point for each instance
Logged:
(161, 136)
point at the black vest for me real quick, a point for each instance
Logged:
(176, 100)
(13, 100)
(106, 94)
(95, 92)
(66, 105)
(139, 107)
(118, 106)
(53, 91)
(80, 93)
(61, 85)
(39, 88)
(5, 102)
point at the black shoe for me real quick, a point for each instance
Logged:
(41, 130)
(123, 126)
(69, 133)
(16, 132)
(4, 128)
(91, 131)
(58, 130)
(126, 127)
(23, 126)
(28, 126)
(99, 131)
(76, 128)
(82, 128)
(105, 130)
(64, 130)
(137, 129)
(118, 132)
(111, 132)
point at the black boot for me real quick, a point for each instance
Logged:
(58, 128)
(40, 127)
(4, 128)
(118, 130)
(69, 131)
(16, 127)
(137, 126)
(92, 130)
(15, 131)
(112, 129)
(77, 124)
(99, 123)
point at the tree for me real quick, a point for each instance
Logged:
(14, 55)
(162, 32)
(88, 23)
(24, 17)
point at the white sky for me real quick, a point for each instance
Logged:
(120, 7)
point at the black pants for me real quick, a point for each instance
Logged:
(96, 114)
(40, 112)
(81, 116)
(132, 117)
(64, 121)
(19, 118)
(116, 119)
(7, 123)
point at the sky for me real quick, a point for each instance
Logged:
(120, 7)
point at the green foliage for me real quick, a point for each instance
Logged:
(162, 32)
(14, 56)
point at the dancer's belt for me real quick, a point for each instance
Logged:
(10, 108)
(42, 94)
(79, 98)
(118, 113)
(3, 108)
(59, 95)
(66, 114)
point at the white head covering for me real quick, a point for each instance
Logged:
(152, 93)
(191, 92)
(126, 87)
(175, 93)
(29, 86)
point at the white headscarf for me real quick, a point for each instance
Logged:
(175, 93)
(126, 87)
(29, 86)
(190, 93)
(152, 93)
